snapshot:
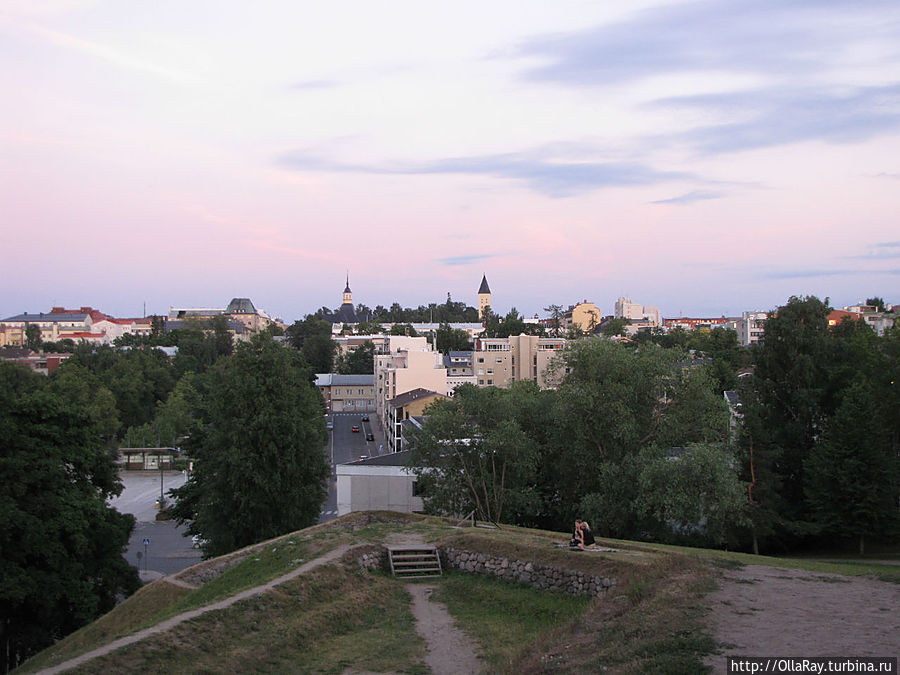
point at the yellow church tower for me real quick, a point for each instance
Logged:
(484, 297)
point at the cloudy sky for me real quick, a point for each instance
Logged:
(705, 157)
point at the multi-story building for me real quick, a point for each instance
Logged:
(411, 404)
(750, 327)
(347, 393)
(57, 324)
(697, 323)
(408, 364)
(626, 309)
(499, 362)
(584, 317)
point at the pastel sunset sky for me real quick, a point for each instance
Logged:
(706, 157)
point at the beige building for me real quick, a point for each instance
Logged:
(347, 393)
(409, 364)
(411, 404)
(499, 362)
(584, 317)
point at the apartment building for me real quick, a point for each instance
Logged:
(347, 393)
(409, 364)
(750, 327)
(584, 317)
(411, 404)
(632, 311)
(498, 362)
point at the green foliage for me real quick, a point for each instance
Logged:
(260, 466)
(511, 324)
(359, 361)
(615, 327)
(403, 329)
(849, 471)
(33, 337)
(61, 564)
(474, 454)
(449, 339)
(312, 338)
(695, 496)
(74, 383)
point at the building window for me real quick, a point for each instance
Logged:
(481, 382)
(480, 359)
(490, 371)
(481, 371)
(490, 382)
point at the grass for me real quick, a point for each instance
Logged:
(324, 622)
(121, 620)
(883, 571)
(652, 624)
(506, 619)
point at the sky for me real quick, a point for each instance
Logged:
(706, 157)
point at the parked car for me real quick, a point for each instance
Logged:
(329, 425)
(370, 436)
(355, 429)
(365, 418)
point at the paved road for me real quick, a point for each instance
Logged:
(169, 551)
(346, 446)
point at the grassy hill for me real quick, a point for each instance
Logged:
(338, 616)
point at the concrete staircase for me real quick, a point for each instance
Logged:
(413, 562)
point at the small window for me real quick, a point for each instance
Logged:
(490, 371)
(490, 382)
(480, 359)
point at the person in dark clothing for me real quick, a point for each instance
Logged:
(587, 537)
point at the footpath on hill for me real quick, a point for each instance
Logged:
(770, 611)
(168, 624)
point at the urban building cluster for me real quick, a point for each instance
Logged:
(91, 326)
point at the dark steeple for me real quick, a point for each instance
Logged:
(484, 288)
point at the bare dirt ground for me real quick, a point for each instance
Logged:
(450, 651)
(768, 611)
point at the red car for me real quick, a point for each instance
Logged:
(355, 429)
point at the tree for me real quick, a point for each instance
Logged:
(694, 497)
(449, 339)
(403, 329)
(876, 302)
(614, 327)
(556, 317)
(260, 465)
(360, 361)
(33, 337)
(851, 474)
(74, 383)
(312, 338)
(61, 564)
(473, 453)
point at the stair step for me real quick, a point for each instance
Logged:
(412, 562)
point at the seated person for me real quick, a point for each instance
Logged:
(577, 540)
(587, 537)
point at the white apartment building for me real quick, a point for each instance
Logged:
(626, 309)
(750, 327)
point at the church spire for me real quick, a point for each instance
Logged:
(348, 295)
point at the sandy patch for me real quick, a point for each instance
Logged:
(768, 611)
(450, 651)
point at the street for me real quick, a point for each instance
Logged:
(168, 551)
(344, 446)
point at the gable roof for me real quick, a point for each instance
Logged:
(414, 395)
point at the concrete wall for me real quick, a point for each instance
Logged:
(375, 488)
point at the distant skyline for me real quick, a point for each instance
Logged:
(706, 157)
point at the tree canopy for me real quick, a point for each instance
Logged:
(61, 546)
(259, 458)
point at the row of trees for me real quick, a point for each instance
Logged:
(61, 546)
(644, 445)
(249, 416)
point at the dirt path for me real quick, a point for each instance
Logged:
(769, 611)
(450, 651)
(186, 616)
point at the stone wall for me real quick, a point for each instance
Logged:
(543, 577)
